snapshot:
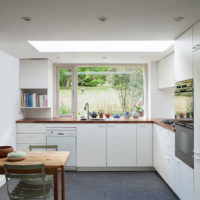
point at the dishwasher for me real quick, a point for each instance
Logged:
(65, 138)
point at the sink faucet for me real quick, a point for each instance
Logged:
(87, 108)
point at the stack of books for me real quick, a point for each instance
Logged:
(34, 100)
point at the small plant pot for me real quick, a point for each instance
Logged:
(135, 115)
(182, 115)
(141, 114)
(188, 115)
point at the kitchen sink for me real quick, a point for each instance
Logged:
(95, 119)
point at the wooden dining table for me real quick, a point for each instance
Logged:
(53, 161)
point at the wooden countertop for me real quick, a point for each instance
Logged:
(78, 121)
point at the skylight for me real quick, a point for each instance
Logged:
(101, 46)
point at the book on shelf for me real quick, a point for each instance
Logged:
(34, 100)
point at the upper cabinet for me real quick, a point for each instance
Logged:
(183, 57)
(35, 74)
(166, 72)
(196, 36)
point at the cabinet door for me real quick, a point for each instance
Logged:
(121, 145)
(156, 148)
(169, 171)
(196, 101)
(91, 145)
(166, 72)
(183, 57)
(196, 36)
(34, 74)
(184, 181)
(144, 144)
(197, 178)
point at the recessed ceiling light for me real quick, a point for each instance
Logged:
(104, 57)
(178, 19)
(101, 46)
(103, 19)
(27, 19)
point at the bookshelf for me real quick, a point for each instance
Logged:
(36, 81)
(34, 99)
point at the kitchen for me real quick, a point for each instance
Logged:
(117, 92)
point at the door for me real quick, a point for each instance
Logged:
(144, 139)
(91, 145)
(121, 145)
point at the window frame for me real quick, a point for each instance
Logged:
(74, 90)
(74, 68)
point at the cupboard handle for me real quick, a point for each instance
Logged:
(141, 125)
(196, 47)
(196, 153)
(110, 126)
(101, 126)
(196, 158)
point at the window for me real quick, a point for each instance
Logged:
(65, 91)
(113, 89)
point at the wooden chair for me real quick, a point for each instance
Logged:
(54, 147)
(32, 184)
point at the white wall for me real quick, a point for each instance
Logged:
(9, 101)
(161, 101)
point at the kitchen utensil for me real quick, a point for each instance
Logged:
(101, 113)
(94, 114)
(107, 115)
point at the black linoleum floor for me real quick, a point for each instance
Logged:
(113, 186)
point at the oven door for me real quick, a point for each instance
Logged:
(184, 143)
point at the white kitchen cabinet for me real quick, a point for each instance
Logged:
(196, 36)
(30, 128)
(183, 57)
(34, 74)
(166, 72)
(196, 61)
(31, 138)
(121, 145)
(196, 101)
(144, 145)
(91, 145)
(169, 172)
(157, 149)
(184, 181)
(196, 177)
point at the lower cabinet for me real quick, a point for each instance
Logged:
(144, 145)
(177, 174)
(184, 181)
(197, 177)
(91, 145)
(121, 145)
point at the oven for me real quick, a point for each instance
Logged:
(184, 142)
(184, 136)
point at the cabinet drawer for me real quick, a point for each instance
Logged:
(25, 147)
(31, 138)
(31, 128)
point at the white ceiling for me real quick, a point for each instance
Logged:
(77, 20)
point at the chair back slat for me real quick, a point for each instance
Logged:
(54, 147)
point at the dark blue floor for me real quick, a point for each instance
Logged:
(113, 186)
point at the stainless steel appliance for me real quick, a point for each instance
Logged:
(65, 138)
(184, 137)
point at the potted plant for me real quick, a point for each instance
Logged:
(139, 109)
(189, 111)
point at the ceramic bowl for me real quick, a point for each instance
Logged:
(5, 150)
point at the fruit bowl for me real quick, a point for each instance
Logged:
(5, 150)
